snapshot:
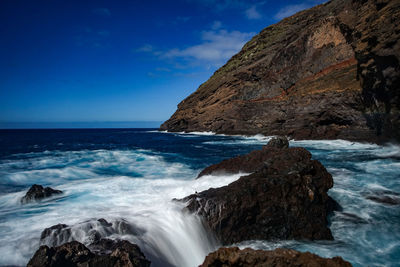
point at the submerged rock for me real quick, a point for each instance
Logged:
(388, 200)
(285, 198)
(278, 258)
(386, 197)
(113, 253)
(38, 192)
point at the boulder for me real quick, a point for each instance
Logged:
(278, 258)
(284, 198)
(276, 148)
(113, 253)
(38, 192)
(278, 142)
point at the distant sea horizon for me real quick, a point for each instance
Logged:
(80, 125)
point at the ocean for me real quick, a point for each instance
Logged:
(129, 177)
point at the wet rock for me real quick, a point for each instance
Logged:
(332, 205)
(279, 258)
(278, 142)
(285, 198)
(59, 233)
(88, 232)
(350, 217)
(387, 200)
(114, 253)
(386, 197)
(276, 148)
(38, 192)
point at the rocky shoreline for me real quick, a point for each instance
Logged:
(278, 258)
(329, 72)
(284, 197)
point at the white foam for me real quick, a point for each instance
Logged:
(334, 144)
(143, 201)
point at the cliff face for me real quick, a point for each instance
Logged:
(328, 72)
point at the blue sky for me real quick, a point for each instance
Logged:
(95, 61)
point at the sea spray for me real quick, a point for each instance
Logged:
(132, 175)
(165, 233)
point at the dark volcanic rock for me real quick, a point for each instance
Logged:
(278, 142)
(285, 198)
(278, 258)
(56, 233)
(38, 192)
(254, 160)
(114, 253)
(89, 232)
(328, 72)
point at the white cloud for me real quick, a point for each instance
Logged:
(103, 12)
(216, 25)
(145, 48)
(252, 13)
(289, 10)
(216, 48)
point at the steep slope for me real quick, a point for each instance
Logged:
(328, 72)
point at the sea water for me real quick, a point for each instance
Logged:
(132, 175)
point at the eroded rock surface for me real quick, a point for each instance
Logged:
(227, 257)
(89, 232)
(328, 72)
(284, 198)
(275, 150)
(38, 192)
(112, 253)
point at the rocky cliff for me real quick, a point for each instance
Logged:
(331, 71)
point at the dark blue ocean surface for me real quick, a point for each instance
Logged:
(131, 175)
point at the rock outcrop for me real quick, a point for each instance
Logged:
(89, 232)
(285, 198)
(328, 72)
(227, 257)
(275, 151)
(111, 253)
(38, 192)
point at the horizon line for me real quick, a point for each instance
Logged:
(80, 125)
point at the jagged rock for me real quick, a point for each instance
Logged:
(278, 142)
(285, 198)
(227, 257)
(328, 72)
(87, 232)
(276, 148)
(38, 192)
(113, 253)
